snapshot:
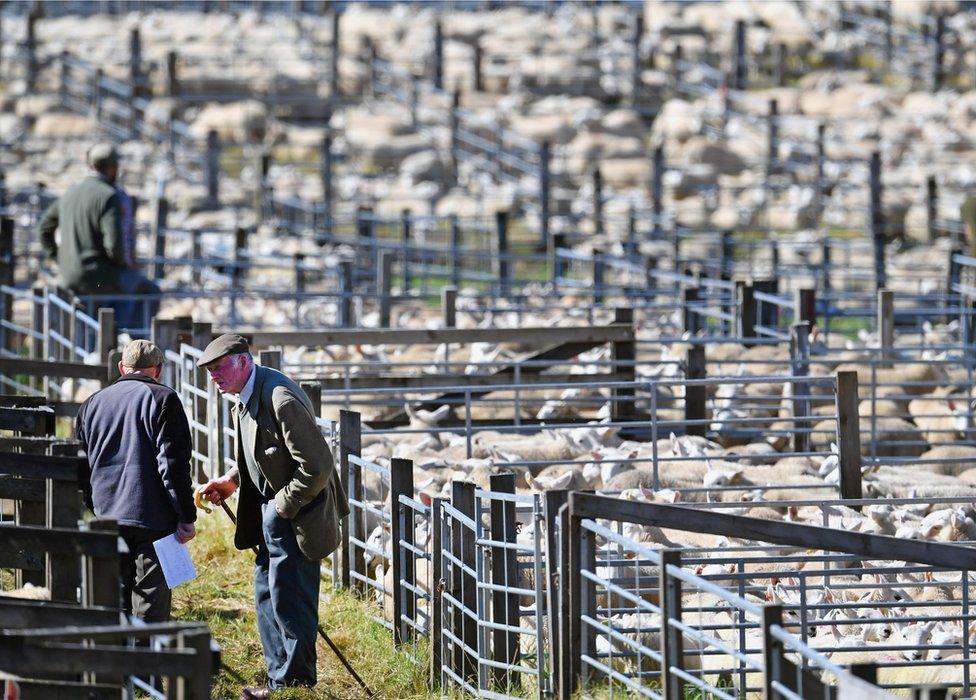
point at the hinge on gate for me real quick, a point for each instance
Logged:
(439, 588)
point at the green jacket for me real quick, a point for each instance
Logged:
(295, 458)
(90, 256)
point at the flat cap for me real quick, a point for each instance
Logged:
(140, 354)
(227, 344)
(102, 154)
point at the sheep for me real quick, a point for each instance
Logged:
(29, 592)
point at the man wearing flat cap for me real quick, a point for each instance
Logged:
(290, 505)
(137, 441)
(96, 247)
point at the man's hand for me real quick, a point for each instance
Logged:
(185, 532)
(280, 514)
(218, 490)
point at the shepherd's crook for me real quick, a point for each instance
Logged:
(332, 645)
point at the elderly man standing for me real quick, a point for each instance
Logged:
(137, 439)
(96, 247)
(290, 506)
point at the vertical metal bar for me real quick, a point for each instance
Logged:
(384, 286)
(672, 639)
(326, 176)
(657, 191)
(849, 435)
(350, 443)
(504, 574)
(436, 589)
(545, 187)
(801, 390)
(212, 174)
(456, 262)
(877, 221)
(695, 394)
(402, 559)
(504, 265)
(465, 585)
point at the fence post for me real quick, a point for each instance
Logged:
(200, 335)
(623, 354)
(463, 585)
(557, 242)
(438, 55)
(938, 53)
(270, 358)
(402, 559)
(849, 435)
(877, 221)
(504, 573)
(657, 190)
(739, 58)
(818, 199)
(436, 604)
(456, 263)
(103, 574)
(326, 176)
(800, 366)
(449, 306)
(63, 509)
(405, 240)
(334, 89)
(931, 206)
(262, 165)
(196, 254)
(773, 656)
(689, 298)
(345, 292)
(454, 124)
(598, 276)
(212, 176)
(780, 64)
(135, 62)
(350, 443)
(30, 46)
(772, 152)
(7, 270)
(384, 286)
(727, 260)
(805, 306)
(96, 87)
(172, 76)
(568, 580)
(635, 75)
(695, 394)
(107, 339)
(597, 201)
(545, 186)
(504, 266)
(478, 57)
(886, 325)
(553, 500)
(768, 314)
(672, 639)
(159, 236)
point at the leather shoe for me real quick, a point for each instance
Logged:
(256, 693)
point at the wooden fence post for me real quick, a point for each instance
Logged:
(345, 292)
(107, 338)
(849, 435)
(63, 510)
(504, 573)
(800, 367)
(886, 324)
(135, 62)
(599, 267)
(456, 240)
(159, 236)
(623, 354)
(478, 84)
(504, 265)
(772, 134)
(672, 639)
(402, 559)
(695, 394)
(384, 286)
(568, 581)
(938, 54)
(545, 187)
(740, 69)
(557, 242)
(773, 656)
(172, 77)
(689, 299)
(103, 574)
(877, 221)
(406, 235)
(931, 206)
(326, 176)
(212, 166)
(353, 526)
(438, 55)
(463, 585)
(553, 500)
(7, 272)
(635, 60)
(270, 358)
(780, 64)
(334, 87)
(805, 306)
(597, 201)
(449, 306)
(657, 190)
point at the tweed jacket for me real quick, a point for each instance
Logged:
(295, 458)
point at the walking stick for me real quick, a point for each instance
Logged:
(332, 645)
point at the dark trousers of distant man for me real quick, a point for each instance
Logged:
(286, 595)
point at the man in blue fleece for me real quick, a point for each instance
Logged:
(137, 439)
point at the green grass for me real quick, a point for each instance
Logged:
(222, 596)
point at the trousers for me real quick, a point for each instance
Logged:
(144, 590)
(286, 595)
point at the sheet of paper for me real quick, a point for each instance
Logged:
(175, 559)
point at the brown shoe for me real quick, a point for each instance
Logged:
(255, 693)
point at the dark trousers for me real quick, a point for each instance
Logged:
(144, 590)
(286, 594)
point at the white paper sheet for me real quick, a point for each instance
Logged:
(175, 559)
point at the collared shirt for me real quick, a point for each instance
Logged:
(245, 395)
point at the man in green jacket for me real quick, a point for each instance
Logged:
(290, 505)
(95, 256)
(90, 254)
